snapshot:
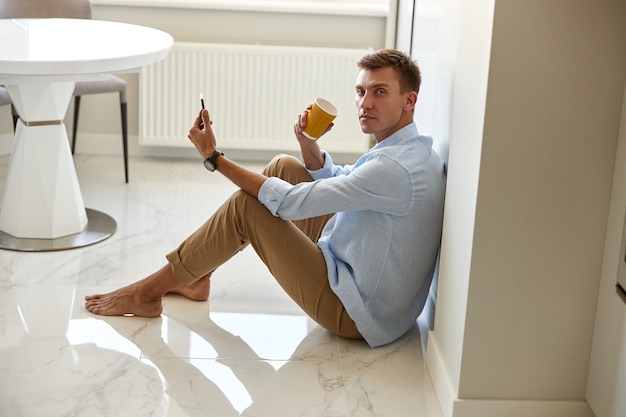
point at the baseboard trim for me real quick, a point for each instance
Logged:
(99, 144)
(96, 144)
(455, 407)
(440, 376)
(511, 408)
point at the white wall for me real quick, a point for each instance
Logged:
(537, 99)
(417, 33)
(464, 58)
(607, 370)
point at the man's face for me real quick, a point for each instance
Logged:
(382, 108)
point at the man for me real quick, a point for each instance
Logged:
(355, 246)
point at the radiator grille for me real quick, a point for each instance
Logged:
(254, 94)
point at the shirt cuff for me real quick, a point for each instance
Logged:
(326, 170)
(272, 193)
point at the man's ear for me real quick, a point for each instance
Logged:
(411, 100)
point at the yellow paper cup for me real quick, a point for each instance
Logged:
(320, 117)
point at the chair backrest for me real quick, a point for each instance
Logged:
(15, 9)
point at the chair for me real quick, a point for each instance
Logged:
(5, 100)
(77, 9)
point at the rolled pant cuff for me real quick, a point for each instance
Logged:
(180, 272)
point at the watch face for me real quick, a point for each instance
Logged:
(209, 165)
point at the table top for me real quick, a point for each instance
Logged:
(62, 47)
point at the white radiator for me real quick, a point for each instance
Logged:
(253, 92)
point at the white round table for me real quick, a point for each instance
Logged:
(40, 59)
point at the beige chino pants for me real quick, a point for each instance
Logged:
(287, 248)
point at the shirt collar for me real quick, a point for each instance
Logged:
(399, 136)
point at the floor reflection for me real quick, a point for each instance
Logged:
(53, 364)
(205, 368)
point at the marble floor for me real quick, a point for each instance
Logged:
(248, 351)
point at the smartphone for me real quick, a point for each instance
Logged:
(202, 105)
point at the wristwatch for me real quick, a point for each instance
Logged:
(209, 163)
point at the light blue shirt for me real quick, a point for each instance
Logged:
(381, 246)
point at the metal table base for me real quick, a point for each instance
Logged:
(100, 226)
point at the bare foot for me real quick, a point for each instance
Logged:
(126, 300)
(198, 291)
(144, 298)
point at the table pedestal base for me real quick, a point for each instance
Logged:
(42, 198)
(100, 226)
